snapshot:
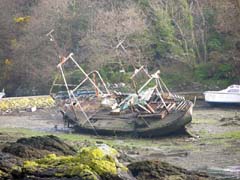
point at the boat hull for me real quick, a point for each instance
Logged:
(2, 95)
(137, 127)
(221, 98)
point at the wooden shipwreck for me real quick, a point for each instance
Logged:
(149, 112)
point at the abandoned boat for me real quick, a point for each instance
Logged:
(228, 96)
(2, 94)
(138, 124)
(149, 112)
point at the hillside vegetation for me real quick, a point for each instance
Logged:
(194, 43)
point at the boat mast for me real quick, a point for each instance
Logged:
(74, 101)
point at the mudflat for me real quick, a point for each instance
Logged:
(211, 146)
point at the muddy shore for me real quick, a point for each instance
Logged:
(213, 147)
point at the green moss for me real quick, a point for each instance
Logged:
(91, 153)
(89, 162)
(175, 177)
(229, 135)
(204, 121)
(53, 160)
(100, 160)
(30, 165)
(80, 170)
(16, 168)
(187, 147)
(3, 174)
(204, 133)
(211, 140)
(103, 166)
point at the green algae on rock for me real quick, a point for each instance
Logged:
(3, 175)
(10, 166)
(89, 163)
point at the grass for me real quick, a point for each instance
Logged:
(203, 133)
(126, 143)
(229, 135)
(216, 141)
(225, 139)
(185, 147)
(22, 132)
(75, 138)
(130, 143)
(203, 121)
(233, 135)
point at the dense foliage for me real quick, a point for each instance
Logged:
(113, 35)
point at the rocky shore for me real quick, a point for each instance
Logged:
(48, 157)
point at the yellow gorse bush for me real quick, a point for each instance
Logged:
(26, 102)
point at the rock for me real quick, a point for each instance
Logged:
(39, 146)
(156, 170)
(30, 158)
(9, 166)
(50, 178)
(24, 151)
(91, 163)
(4, 175)
(31, 109)
(124, 157)
(230, 121)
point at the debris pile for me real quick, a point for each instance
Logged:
(25, 103)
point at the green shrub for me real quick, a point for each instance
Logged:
(215, 42)
(214, 74)
(143, 3)
(111, 73)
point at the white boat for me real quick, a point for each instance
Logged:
(2, 94)
(230, 95)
